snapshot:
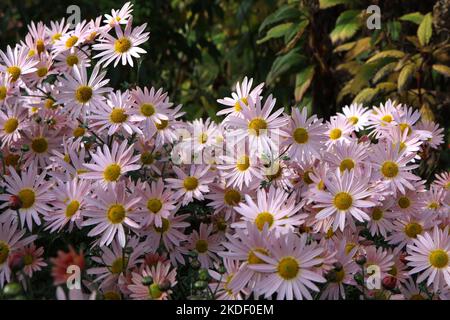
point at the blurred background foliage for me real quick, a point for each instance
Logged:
(314, 53)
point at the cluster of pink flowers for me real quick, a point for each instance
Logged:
(272, 204)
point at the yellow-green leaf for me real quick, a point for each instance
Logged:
(365, 96)
(442, 69)
(303, 81)
(425, 30)
(387, 54)
(347, 24)
(414, 17)
(384, 71)
(405, 76)
(276, 32)
(324, 4)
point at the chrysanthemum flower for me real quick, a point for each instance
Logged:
(357, 115)
(382, 116)
(436, 137)
(430, 255)
(377, 258)
(32, 259)
(72, 39)
(225, 199)
(17, 63)
(348, 156)
(241, 170)
(220, 285)
(339, 128)
(206, 244)
(381, 218)
(56, 30)
(62, 262)
(37, 39)
(411, 291)
(65, 61)
(12, 122)
(120, 16)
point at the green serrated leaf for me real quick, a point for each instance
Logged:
(425, 30)
(384, 71)
(415, 17)
(405, 76)
(276, 32)
(347, 24)
(442, 69)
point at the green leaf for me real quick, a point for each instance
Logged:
(303, 81)
(387, 54)
(384, 71)
(425, 30)
(347, 24)
(442, 69)
(284, 63)
(283, 13)
(415, 17)
(365, 96)
(405, 76)
(276, 32)
(324, 4)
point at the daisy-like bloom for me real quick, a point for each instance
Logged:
(43, 69)
(110, 166)
(239, 99)
(357, 115)
(73, 38)
(225, 199)
(191, 186)
(288, 268)
(381, 217)
(42, 142)
(241, 170)
(345, 196)
(206, 244)
(112, 211)
(436, 137)
(262, 129)
(339, 128)
(399, 270)
(36, 40)
(429, 254)
(442, 180)
(409, 143)
(160, 274)
(120, 16)
(71, 162)
(65, 61)
(8, 88)
(69, 203)
(166, 129)
(306, 135)
(125, 47)
(405, 118)
(33, 193)
(12, 122)
(348, 155)
(156, 203)
(114, 115)
(115, 264)
(11, 240)
(16, 63)
(378, 258)
(32, 259)
(391, 165)
(203, 136)
(220, 286)
(150, 108)
(62, 262)
(57, 29)
(434, 201)
(411, 291)
(78, 93)
(411, 202)
(276, 208)
(242, 247)
(382, 116)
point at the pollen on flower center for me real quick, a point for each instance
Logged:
(387, 118)
(49, 104)
(28, 259)
(147, 109)
(263, 218)
(288, 268)
(15, 72)
(162, 125)
(190, 183)
(72, 60)
(301, 135)
(243, 163)
(377, 214)
(203, 138)
(116, 213)
(118, 265)
(78, 132)
(335, 134)
(164, 227)
(389, 169)
(56, 36)
(39, 145)
(71, 41)
(27, 197)
(307, 177)
(343, 200)
(154, 291)
(4, 252)
(232, 197)
(154, 205)
(256, 125)
(353, 120)
(83, 94)
(112, 172)
(404, 202)
(201, 246)
(412, 229)
(147, 158)
(118, 115)
(10, 125)
(438, 258)
(405, 126)
(3, 91)
(72, 208)
(42, 72)
(237, 105)
(253, 258)
(122, 45)
(347, 164)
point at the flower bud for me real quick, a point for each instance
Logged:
(164, 286)
(15, 203)
(146, 281)
(203, 274)
(360, 259)
(389, 282)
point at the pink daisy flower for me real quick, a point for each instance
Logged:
(206, 244)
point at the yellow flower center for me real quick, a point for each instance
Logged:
(301, 135)
(405, 126)
(10, 125)
(28, 259)
(433, 205)
(118, 115)
(116, 213)
(232, 197)
(39, 145)
(263, 218)
(40, 46)
(343, 201)
(27, 197)
(307, 178)
(190, 183)
(79, 132)
(118, 265)
(243, 163)
(83, 94)
(15, 72)
(71, 41)
(387, 118)
(42, 72)
(201, 246)
(50, 104)
(353, 120)
(288, 268)
(66, 158)
(122, 45)
(72, 208)
(3, 91)
(237, 105)
(349, 247)
(412, 229)
(203, 138)
(335, 133)
(256, 125)
(404, 202)
(112, 172)
(56, 37)
(154, 291)
(112, 295)
(389, 169)
(377, 214)
(340, 275)
(254, 259)
(4, 252)
(347, 164)
(154, 205)
(162, 125)
(72, 60)
(147, 109)
(438, 258)
(164, 227)
(147, 158)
